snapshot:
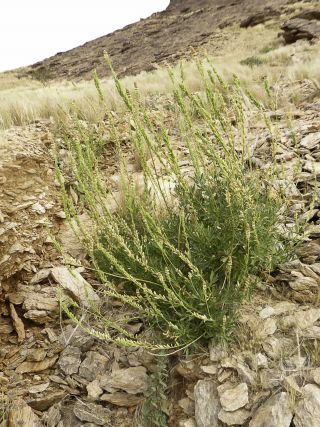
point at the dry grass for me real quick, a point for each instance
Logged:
(24, 100)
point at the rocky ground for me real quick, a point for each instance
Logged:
(53, 374)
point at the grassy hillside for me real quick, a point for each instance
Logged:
(252, 54)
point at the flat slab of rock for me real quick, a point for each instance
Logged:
(17, 324)
(301, 319)
(76, 285)
(36, 366)
(259, 18)
(52, 417)
(93, 365)
(39, 301)
(38, 316)
(47, 400)
(207, 404)
(70, 360)
(233, 398)
(20, 414)
(275, 412)
(309, 14)
(92, 413)
(122, 399)
(298, 28)
(94, 390)
(311, 141)
(131, 380)
(235, 418)
(308, 409)
(40, 276)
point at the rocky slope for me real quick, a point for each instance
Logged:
(53, 374)
(165, 36)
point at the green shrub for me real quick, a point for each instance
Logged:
(154, 411)
(42, 74)
(252, 61)
(180, 256)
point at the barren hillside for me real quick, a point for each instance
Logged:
(165, 36)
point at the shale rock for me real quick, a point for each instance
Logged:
(93, 365)
(233, 398)
(307, 412)
(297, 28)
(275, 412)
(207, 404)
(131, 380)
(92, 413)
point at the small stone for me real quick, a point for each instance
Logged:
(275, 412)
(261, 360)
(61, 215)
(49, 205)
(301, 319)
(187, 369)
(315, 375)
(266, 328)
(92, 413)
(36, 355)
(233, 398)
(267, 312)
(38, 208)
(17, 324)
(188, 423)
(207, 405)
(307, 412)
(70, 360)
(51, 335)
(270, 379)
(43, 403)
(209, 369)
(40, 301)
(58, 380)
(132, 380)
(76, 338)
(52, 417)
(187, 405)
(36, 366)
(244, 372)
(20, 414)
(303, 284)
(93, 365)
(234, 418)
(122, 399)
(74, 283)
(40, 276)
(217, 352)
(311, 141)
(39, 388)
(94, 390)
